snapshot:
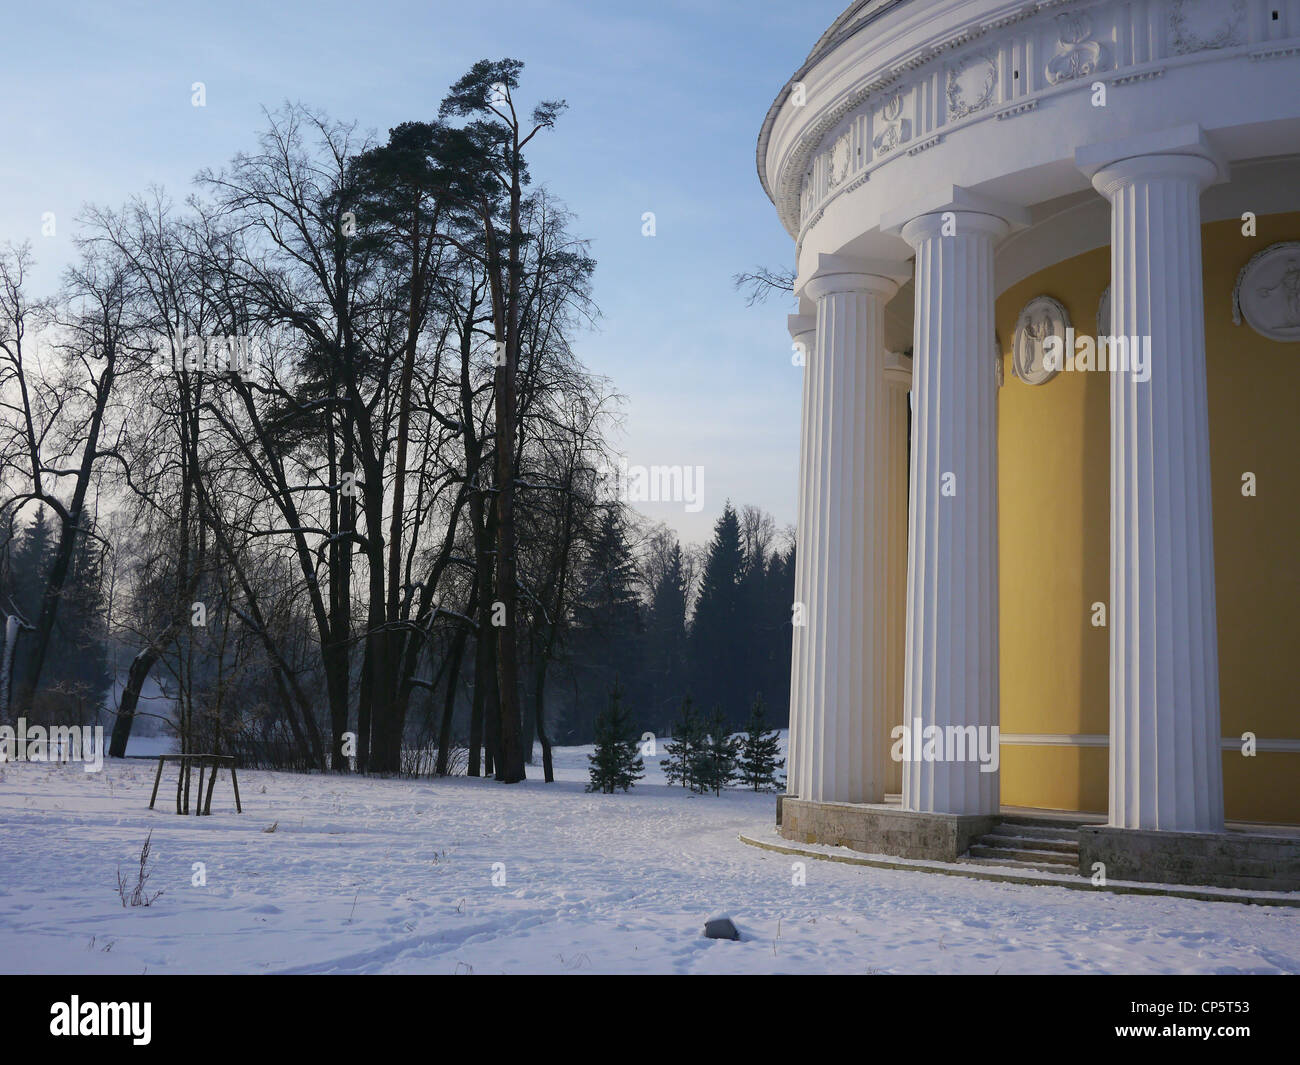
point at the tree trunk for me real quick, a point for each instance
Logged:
(449, 701)
(539, 714)
(136, 676)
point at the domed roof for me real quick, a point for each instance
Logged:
(857, 12)
(854, 17)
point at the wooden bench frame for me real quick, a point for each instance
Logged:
(206, 761)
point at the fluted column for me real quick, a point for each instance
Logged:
(838, 690)
(898, 381)
(952, 575)
(803, 334)
(1165, 762)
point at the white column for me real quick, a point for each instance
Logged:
(1165, 762)
(838, 691)
(803, 334)
(898, 380)
(952, 574)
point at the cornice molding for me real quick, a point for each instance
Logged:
(1069, 40)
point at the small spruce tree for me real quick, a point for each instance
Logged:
(715, 768)
(759, 748)
(682, 751)
(616, 762)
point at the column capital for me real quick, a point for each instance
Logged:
(803, 333)
(953, 224)
(798, 324)
(846, 273)
(898, 368)
(1181, 151)
(959, 200)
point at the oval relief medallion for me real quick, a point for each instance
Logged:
(1042, 317)
(840, 160)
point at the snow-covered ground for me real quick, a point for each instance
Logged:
(397, 876)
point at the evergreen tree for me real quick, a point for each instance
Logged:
(607, 616)
(682, 751)
(779, 635)
(758, 762)
(76, 673)
(715, 765)
(616, 763)
(665, 637)
(721, 627)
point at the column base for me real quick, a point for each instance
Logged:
(878, 829)
(1217, 859)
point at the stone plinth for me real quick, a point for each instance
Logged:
(1218, 859)
(878, 829)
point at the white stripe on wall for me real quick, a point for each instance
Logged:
(1066, 739)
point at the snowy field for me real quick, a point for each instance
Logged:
(396, 876)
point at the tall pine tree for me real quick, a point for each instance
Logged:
(665, 637)
(720, 627)
(607, 621)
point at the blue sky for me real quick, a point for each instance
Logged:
(665, 103)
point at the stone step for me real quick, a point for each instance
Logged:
(1070, 823)
(1022, 854)
(1011, 838)
(1012, 863)
(1039, 831)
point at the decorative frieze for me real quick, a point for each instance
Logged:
(1019, 59)
(1196, 25)
(1078, 53)
(892, 128)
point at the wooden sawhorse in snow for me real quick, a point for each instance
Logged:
(206, 761)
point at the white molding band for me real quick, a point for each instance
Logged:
(1099, 739)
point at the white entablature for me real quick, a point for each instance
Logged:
(904, 97)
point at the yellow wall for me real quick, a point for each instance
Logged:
(1054, 523)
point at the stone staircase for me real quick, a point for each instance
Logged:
(1048, 845)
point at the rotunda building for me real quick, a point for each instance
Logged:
(1048, 272)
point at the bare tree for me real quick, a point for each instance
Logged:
(56, 432)
(763, 281)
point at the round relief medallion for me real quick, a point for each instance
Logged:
(970, 84)
(1042, 317)
(1268, 292)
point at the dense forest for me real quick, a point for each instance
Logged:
(305, 469)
